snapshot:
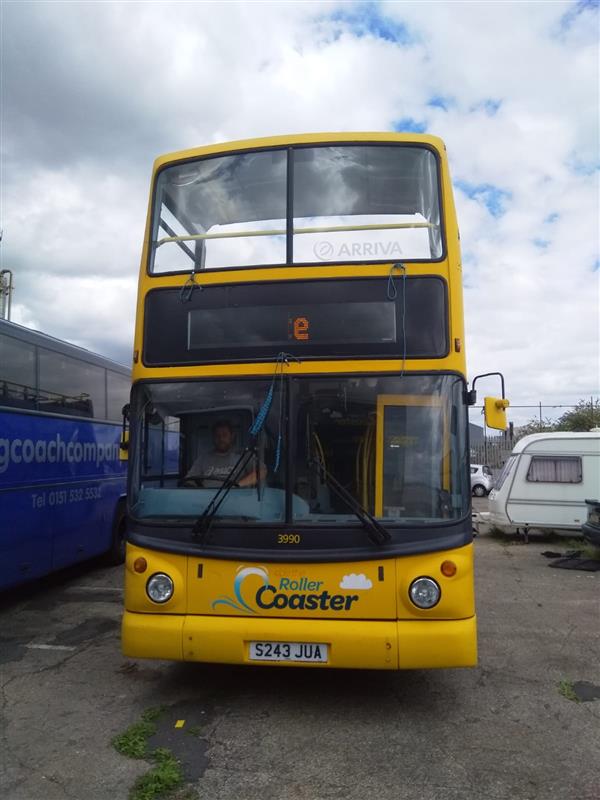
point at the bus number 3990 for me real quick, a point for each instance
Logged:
(288, 538)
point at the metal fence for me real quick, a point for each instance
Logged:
(492, 452)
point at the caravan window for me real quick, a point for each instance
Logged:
(505, 472)
(553, 469)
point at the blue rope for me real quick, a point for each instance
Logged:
(277, 454)
(279, 420)
(392, 294)
(262, 415)
(260, 418)
(187, 290)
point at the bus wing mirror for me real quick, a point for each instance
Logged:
(495, 412)
(124, 441)
(124, 446)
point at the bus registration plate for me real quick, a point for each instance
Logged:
(289, 651)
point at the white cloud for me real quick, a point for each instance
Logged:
(354, 581)
(76, 221)
(84, 116)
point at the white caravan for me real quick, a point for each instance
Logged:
(545, 482)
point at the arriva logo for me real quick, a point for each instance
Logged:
(296, 594)
(328, 251)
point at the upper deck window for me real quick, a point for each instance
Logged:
(221, 212)
(365, 203)
(303, 205)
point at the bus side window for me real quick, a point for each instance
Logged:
(117, 394)
(17, 376)
(70, 386)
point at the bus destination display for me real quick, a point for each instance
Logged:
(310, 319)
(273, 326)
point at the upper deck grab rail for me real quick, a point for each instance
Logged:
(282, 232)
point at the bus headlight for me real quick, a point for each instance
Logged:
(425, 592)
(159, 587)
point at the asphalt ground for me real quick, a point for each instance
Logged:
(502, 730)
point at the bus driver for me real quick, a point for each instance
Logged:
(210, 469)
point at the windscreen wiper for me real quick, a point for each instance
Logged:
(204, 522)
(376, 532)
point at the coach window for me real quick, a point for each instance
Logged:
(70, 386)
(118, 388)
(17, 373)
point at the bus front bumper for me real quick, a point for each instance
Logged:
(353, 644)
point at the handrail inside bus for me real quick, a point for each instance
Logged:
(282, 232)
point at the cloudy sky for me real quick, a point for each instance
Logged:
(93, 92)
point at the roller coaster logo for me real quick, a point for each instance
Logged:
(295, 594)
(238, 602)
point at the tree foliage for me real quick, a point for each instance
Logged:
(534, 426)
(582, 417)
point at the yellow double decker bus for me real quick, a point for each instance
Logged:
(299, 487)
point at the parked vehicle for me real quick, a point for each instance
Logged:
(62, 483)
(481, 480)
(591, 527)
(545, 482)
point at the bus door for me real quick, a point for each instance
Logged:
(412, 457)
